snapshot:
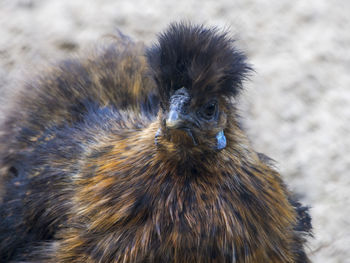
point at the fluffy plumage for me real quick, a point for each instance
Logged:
(203, 59)
(94, 172)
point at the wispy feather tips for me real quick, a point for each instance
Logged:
(204, 60)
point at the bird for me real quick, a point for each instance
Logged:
(135, 153)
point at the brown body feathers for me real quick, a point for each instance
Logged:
(95, 171)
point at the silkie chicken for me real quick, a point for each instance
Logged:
(136, 154)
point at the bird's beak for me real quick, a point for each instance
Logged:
(176, 117)
(173, 120)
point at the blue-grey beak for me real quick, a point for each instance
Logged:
(173, 119)
(178, 107)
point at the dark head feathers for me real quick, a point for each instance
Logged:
(201, 59)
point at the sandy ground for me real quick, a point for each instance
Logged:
(296, 107)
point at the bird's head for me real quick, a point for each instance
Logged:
(197, 71)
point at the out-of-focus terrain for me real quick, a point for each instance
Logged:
(296, 107)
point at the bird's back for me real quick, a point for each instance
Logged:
(113, 75)
(58, 118)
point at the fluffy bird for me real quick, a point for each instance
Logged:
(135, 154)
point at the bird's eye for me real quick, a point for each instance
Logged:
(209, 110)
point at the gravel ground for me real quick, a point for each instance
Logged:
(296, 107)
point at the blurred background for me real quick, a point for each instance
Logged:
(296, 106)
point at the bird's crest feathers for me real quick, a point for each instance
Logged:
(201, 59)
